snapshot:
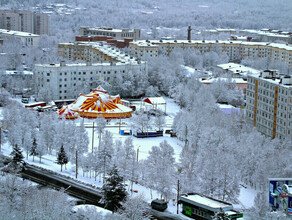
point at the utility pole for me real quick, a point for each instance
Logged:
(76, 164)
(92, 136)
(120, 124)
(138, 153)
(177, 197)
(0, 138)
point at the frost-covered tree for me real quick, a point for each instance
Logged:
(113, 190)
(105, 153)
(161, 169)
(140, 122)
(33, 149)
(62, 157)
(135, 208)
(100, 126)
(4, 97)
(17, 158)
(159, 121)
(125, 159)
(28, 141)
(42, 148)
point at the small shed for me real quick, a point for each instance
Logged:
(155, 101)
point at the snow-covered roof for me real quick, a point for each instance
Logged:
(226, 66)
(238, 68)
(17, 33)
(204, 42)
(91, 208)
(108, 29)
(99, 103)
(207, 202)
(211, 80)
(11, 72)
(155, 100)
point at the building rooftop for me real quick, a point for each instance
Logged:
(58, 65)
(157, 42)
(211, 80)
(238, 69)
(275, 78)
(109, 29)
(18, 33)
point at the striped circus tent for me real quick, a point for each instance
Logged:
(99, 103)
(67, 113)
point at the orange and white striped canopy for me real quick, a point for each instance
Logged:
(99, 103)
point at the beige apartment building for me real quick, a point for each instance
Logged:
(236, 50)
(94, 52)
(269, 103)
(25, 21)
(116, 34)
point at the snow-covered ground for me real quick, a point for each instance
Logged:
(144, 145)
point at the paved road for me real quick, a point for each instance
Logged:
(88, 194)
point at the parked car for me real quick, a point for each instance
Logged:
(25, 100)
(159, 205)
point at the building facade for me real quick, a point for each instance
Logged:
(236, 50)
(116, 34)
(25, 21)
(61, 79)
(94, 52)
(269, 104)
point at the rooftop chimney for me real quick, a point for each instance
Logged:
(189, 33)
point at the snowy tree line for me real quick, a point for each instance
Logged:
(22, 200)
(220, 150)
(173, 15)
(43, 134)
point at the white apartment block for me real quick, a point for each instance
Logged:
(26, 38)
(94, 52)
(61, 78)
(25, 21)
(116, 34)
(269, 104)
(236, 50)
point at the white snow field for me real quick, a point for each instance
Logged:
(143, 144)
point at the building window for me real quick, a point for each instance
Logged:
(48, 74)
(48, 80)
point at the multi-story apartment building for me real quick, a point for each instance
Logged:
(116, 34)
(236, 50)
(27, 39)
(269, 103)
(26, 21)
(268, 35)
(94, 52)
(61, 79)
(41, 24)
